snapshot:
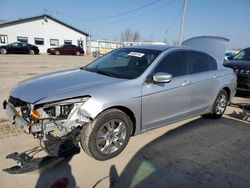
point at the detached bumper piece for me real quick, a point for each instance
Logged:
(246, 111)
(26, 162)
(15, 118)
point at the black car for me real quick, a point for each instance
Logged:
(241, 65)
(19, 48)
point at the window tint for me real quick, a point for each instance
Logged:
(199, 62)
(54, 42)
(39, 41)
(174, 64)
(213, 63)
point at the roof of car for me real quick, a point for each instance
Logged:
(155, 47)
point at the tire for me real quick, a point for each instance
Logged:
(78, 53)
(3, 51)
(113, 128)
(57, 52)
(219, 106)
(31, 52)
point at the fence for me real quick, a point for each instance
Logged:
(101, 47)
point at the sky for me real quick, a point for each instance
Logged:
(156, 20)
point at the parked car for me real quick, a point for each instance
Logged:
(67, 49)
(19, 48)
(228, 55)
(240, 63)
(125, 92)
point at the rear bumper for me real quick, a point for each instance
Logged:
(15, 118)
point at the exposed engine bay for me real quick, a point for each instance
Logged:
(57, 125)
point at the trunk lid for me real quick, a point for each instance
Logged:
(213, 45)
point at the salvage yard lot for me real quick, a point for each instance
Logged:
(199, 153)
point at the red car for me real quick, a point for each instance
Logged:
(67, 49)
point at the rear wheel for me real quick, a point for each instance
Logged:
(31, 52)
(107, 135)
(57, 52)
(219, 106)
(3, 51)
(78, 53)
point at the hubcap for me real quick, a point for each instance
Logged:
(221, 104)
(111, 136)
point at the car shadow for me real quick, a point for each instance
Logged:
(201, 153)
(59, 174)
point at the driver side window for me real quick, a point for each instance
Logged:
(174, 63)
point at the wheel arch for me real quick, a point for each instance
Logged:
(128, 112)
(227, 89)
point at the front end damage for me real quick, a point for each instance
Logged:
(56, 124)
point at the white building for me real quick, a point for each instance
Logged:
(43, 31)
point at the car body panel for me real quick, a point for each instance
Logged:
(170, 101)
(59, 83)
(204, 87)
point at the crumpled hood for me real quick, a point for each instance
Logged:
(235, 64)
(62, 82)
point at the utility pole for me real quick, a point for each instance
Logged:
(182, 20)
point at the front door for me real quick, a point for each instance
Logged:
(166, 102)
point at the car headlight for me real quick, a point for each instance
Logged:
(59, 109)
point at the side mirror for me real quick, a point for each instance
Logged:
(162, 77)
(230, 58)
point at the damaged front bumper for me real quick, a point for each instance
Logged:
(58, 137)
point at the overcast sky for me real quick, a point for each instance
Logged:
(154, 19)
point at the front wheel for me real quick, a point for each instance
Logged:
(219, 106)
(107, 135)
(78, 53)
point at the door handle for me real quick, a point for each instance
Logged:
(186, 83)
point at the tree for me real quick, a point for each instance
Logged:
(129, 36)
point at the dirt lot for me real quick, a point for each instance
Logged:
(198, 153)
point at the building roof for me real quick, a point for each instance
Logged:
(9, 23)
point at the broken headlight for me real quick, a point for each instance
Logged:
(61, 109)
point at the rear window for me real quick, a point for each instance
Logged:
(199, 62)
(213, 63)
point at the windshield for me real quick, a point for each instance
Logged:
(243, 55)
(128, 63)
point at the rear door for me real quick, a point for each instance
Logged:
(205, 81)
(23, 48)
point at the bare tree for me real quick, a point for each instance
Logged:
(136, 36)
(129, 36)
